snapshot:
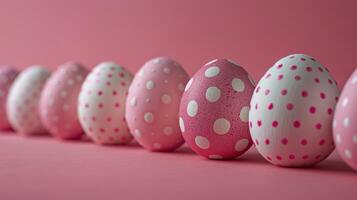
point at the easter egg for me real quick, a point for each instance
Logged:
(7, 77)
(23, 101)
(153, 104)
(214, 110)
(291, 112)
(101, 104)
(58, 101)
(345, 122)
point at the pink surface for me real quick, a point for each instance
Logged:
(253, 33)
(44, 168)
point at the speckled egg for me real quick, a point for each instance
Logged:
(7, 77)
(101, 105)
(153, 104)
(214, 110)
(292, 110)
(58, 103)
(345, 122)
(23, 101)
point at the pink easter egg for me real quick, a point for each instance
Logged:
(214, 110)
(58, 101)
(153, 104)
(7, 77)
(292, 109)
(23, 101)
(345, 122)
(101, 104)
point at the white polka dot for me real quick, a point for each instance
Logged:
(137, 133)
(156, 61)
(63, 94)
(149, 117)
(238, 85)
(188, 85)
(213, 94)
(348, 154)
(157, 145)
(192, 108)
(182, 125)
(150, 85)
(70, 82)
(181, 87)
(334, 123)
(215, 157)
(354, 80)
(221, 126)
(338, 138)
(212, 71)
(241, 145)
(166, 81)
(354, 138)
(202, 142)
(141, 72)
(133, 101)
(65, 107)
(346, 122)
(148, 100)
(345, 102)
(167, 70)
(244, 114)
(166, 99)
(168, 130)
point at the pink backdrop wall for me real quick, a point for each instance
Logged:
(253, 33)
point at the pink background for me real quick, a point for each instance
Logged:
(253, 33)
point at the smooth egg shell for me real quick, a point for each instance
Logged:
(7, 77)
(23, 101)
(214, 110)
(59, 101)
(345, 122)
(153, 104)
(101, 105)
(291, 112)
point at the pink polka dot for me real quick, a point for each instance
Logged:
(284, 92)
(322, 142)
(297, 77)
(284, 141)
(317, 80)
(292, 57)
(121, 74)
(267, 91)
(322, 95)
(115, 93)
(305, 157)
(302, 59)
(318, 157)
(330, 81)
(116, 130)
(256, 106)
(250, 124)
(268, 157)
(320, 69)
(275, 124)
(297, 124)
(280, 66)
(100, 93)
(259, 123)
(257, 90)
(289, 106)
(318, 126)
(329, 111)
(109, 119)
(304, 93)
(294, 67)
(309, 69)
(110, 75)
(102, 130)
(291, 156)
(116, 105)
(256, 142)
(100, 105)
(270, 106)
(280, 77)
(267, 76)
(94, 118)
(312, 109)
(303, 142)
(279, 157)
(267, 141)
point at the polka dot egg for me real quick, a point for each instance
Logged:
(292, 108)
(345, 122)
(59, 101)
(214, 110)
(7, 77)
(153, 104)
(101, 105)
(23, 101)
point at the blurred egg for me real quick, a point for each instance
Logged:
(101, 106)
(153, 104)
(214, 110)
(345, 122)
(292, 109)
(58, 101)
(23, 101)
(7, 77)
